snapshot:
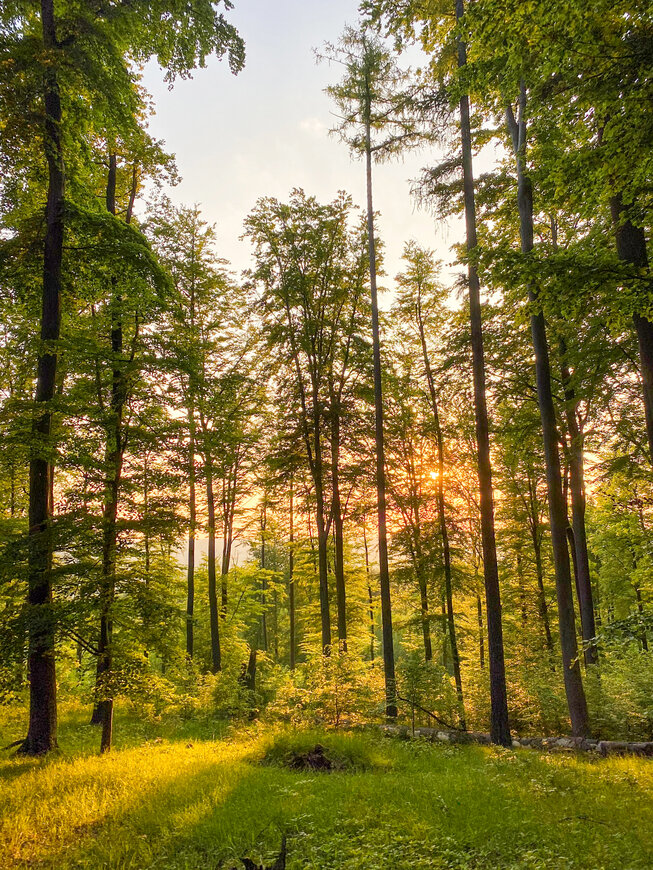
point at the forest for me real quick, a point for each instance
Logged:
(283, 516)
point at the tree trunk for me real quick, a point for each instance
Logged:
(442, 517)
(264, 619)
(216, 656)
(500, 729)
(534, 527)
(369, 593)
(114, 462)
(418, 562)
(631, 248)
(577, 486)
(479, 616)
(229, 493)
(522, 588)
(291, 580)
(384, 569)
(322, 531)
(557, 509)
(336, 508)
(42, 730)
(192, 510)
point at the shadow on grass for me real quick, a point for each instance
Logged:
(434, 807)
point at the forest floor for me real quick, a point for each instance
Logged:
(188, 795)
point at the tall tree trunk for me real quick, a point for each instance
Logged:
(442, 517)
(336, 508)
(114, 462)
(264, 585)
(479, 617)
(418, 562)
(214, 618)
(631, 248)
(42, 731)
(576, 701)
(577, 487)
(291, 580)
(522, 587)
(369, 593)
(192, 511)
(384, 569)
(229, 492)
(322, 530)
(500, 729)
(534, 528)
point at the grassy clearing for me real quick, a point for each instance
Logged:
(190, 801)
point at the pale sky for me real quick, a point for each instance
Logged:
(265, 131)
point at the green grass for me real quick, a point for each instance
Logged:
(190, 801)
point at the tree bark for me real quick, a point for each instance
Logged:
(534, 527)
(264, 619)
(214, 618)
(384, 569)
(577, 487)
(42, 730)
(192, 510)
(631, 248)
(369, 593)
(291, 580)
(500, 729)
(336, 508)
(479, 617)
(113, 460)
(576, 701)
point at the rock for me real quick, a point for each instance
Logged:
(427, 733)
(613, 747)
(443, 736)
(645, 749)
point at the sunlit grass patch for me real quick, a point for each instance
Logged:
(178, 803)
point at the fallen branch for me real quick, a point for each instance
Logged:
(429, 713)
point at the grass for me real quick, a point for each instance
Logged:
(191, 801)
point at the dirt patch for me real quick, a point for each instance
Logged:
(314, 759)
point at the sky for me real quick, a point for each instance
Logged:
(266, 131)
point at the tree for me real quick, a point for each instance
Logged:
(305, 256)
(420, 307)
(82, 49)
(374, 125)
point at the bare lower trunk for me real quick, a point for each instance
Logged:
(336, 508)
(214, 618)
(499, 727)
(113, 461)
(369, 593)
(291, 581)
(479, 617)
(42, 730)
(263, 625)
(577, 487)
(321, 523)
(192, 510)
(424, 609)
(534, 525)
